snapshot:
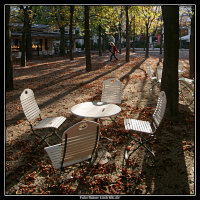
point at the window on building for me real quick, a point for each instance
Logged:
(15, 44)
(36, 43)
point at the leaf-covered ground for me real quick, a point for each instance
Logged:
(58, 84)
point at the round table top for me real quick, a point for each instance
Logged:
(95, 109)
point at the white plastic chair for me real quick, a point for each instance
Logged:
(155, 80)
(146, 127)
(158, 77)
(188, 80)
(159, 74)
(186, 91)
(32, 111)
(79, 144)
(148, 68)
(112, 91)
(180, 68)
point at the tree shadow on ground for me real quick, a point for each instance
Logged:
(48, 66)
(167, 150)
(52, 100)
(125, 77)
(169, 175)
(26, 161)
(27, 156)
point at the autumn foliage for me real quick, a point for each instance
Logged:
(59, 84)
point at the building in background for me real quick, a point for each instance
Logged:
(44, 39)
(185, 26)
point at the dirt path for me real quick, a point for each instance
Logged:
(58, 84)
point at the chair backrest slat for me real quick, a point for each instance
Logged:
(180, 66)
(159, 72)
(81, 142)
(160, 108)
(54, 153)
(112, 91)
(29, 104)
(78, 144)
(188, 80)
(148, 67)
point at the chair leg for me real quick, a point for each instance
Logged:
(113, 120)
(57, 134)
(37, 136)
(146, 141)
(93, 158)
(126, 157)
(141, 143)
(101, 138)
(126, 152)
(153, 85)
(43, 139)
(150, 151)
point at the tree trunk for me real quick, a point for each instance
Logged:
(147, 42)
(23, 46)
(161, 42)
(99, 41)
(144, 42)
(29, 42)
(104, 42)
(8, 52)
(62, 41)
(171, 55)
(29, 53)
(120, 38)
(23, 39)
(70, 33)
(134, 34)
(127, 36)
(87, 39)
(161, 45)
(120, 31)
(192, 45)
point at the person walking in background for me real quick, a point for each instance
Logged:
(113, 51)
(110, 47)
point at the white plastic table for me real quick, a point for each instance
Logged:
(95, 109)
